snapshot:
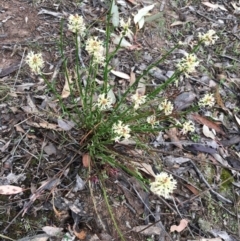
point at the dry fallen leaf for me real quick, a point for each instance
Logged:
(52, 231)
(204, 121)
(43, 124)
(214, 6)
(120, 74)
(177, 23)
(115, 14)
(237, 119)
(10, 190)
(172, 133)
(116, 40)
(147, 168)
(207, 132)
(81, 234)
(139, 17)
(66, 89)
(141, 89)
(65, 124)
(192, 189)
(207, 239)
(183, 224)
(86, 159)
(132, 77)
(147, 230)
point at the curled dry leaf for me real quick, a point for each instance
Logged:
(116, 40)
(10, 190)
(207, 132)
(139, 17)
(79, 234)
(183, 224)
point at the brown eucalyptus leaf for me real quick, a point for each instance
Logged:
(219, 99)
(204, 121)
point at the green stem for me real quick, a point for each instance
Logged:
(110, 210)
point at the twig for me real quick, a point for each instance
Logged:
(158, 220)
(57, 68)
(160, 223)
(181, 216)
(20, 65)
(5, 230)
(229, 57)
(220, 197)
(210, 19)
(94, 200)
(162, 5)
(79, 51)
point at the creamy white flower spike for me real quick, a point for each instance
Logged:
(167, 106)
(207, 100)
(95, 48)
(208, 38)
(163, 185)
(126, 30)
(152, 120)
(76, 24)
(187, 126)
(104, 102)
(138, 99)
(35, 62)
(121, 131)
(188, 64)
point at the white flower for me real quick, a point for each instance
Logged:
(35, 62)
(167, 106)
(126, 31)
(188, 64)
(104, 103)
(163, 185)
(94, 45)
(208, 38)
(138, 100)
(121, 131)
(207, 100)
(76, 24)
(95, 48)
(187, 126)
(152, 120)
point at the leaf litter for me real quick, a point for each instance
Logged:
(61, 159)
